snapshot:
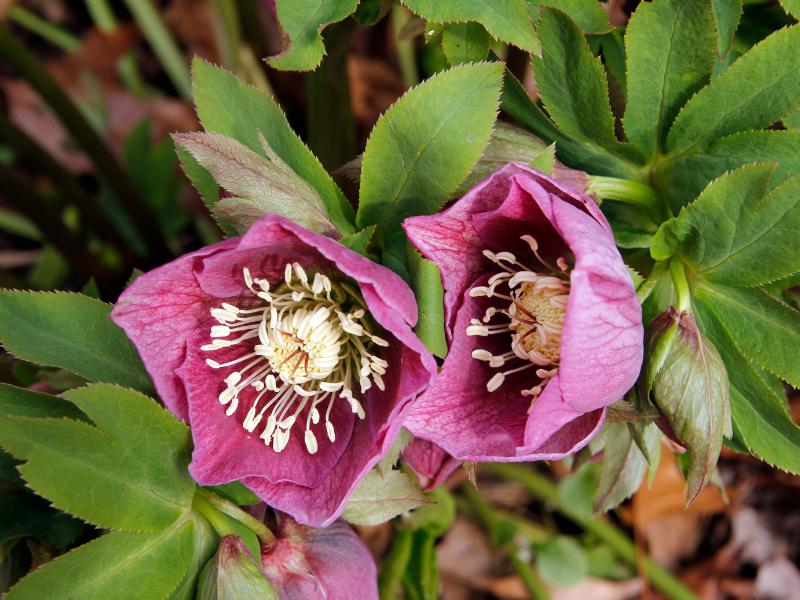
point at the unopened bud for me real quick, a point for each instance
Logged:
(232, 574)
(686, 379)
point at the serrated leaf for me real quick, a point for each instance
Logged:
(545, 161)
(388, 462)
(764, 329)
(507, 20)
(623, 465)
(683, 178)
(573, 84)
(589, 15)
(425, 145)
(465, 42)
(584, 155)
(262, 185)
(70, 331)
(757, 90)
(726, 18)
(227, 105)
(792, 7)
(704, 232)
(421, 577)
(759, 407)
(359, 241)
(670, 50)
(426, 281)
(19, 402)
(378, 498)
(303, 21)
(204, 544)
(129, 566)
(138, 452)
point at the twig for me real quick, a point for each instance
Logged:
(622, 546)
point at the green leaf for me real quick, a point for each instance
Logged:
(379, 498)
(757, 90)
(573, 85)
(72, 332)
(545, 161)
(25, 515)
(204, 545)
(792, 7)
(227, 105)
(583, 155)
(589, 15)
(561, 561)
(577, 489)
(421, 578)
(303, 21)
(726, 18)
(359, 241)
(19, 402)
(623, 465)
(117, 565)
(427, 284)
(138, 452)
(426, 144)
(465, 42)
(507, 20)
(734, 233)
(761, 418)
(670, 49)
(262, 185)
(764, 329)
(703, 232)
(236, 492)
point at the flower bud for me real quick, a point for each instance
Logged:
(686, 379)
(232, 574)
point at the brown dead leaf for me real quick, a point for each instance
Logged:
(374, 86)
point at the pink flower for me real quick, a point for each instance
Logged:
(320, 564)
(544, 326)
(431, 464)
(291, 356)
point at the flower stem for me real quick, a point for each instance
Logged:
(395, 563)
(684, 296)
(53, 34)
(631, 192)
(263, 532)
(623, 547)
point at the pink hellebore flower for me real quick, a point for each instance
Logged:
(431, 464)
(291, 357)
(545, 329)
(320, 564)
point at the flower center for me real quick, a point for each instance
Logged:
(311, 343)
(532, 312)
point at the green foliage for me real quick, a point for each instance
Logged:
(624, 465)
(726, 18)
(19, 402)
(426, 281)
(228, 106)
(670, 53)
(72, 332)
(506, 20)
(425, 144)
(303, 21)
(465, 42)
(233, 574)
(381, 497)
(260, 185)
(25, 515)
(771, 70)
(561, 561)
(85, 470)
(589, 15)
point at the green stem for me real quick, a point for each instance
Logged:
(164, 47)
(331, 127)
(33, 22)
(26, 65)
(684, 296)
(405, 48)
(622, 546)
(102, 14)
(649, 284)
(491, 520)
(624, 190)
(394, 565)
(234, 512)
